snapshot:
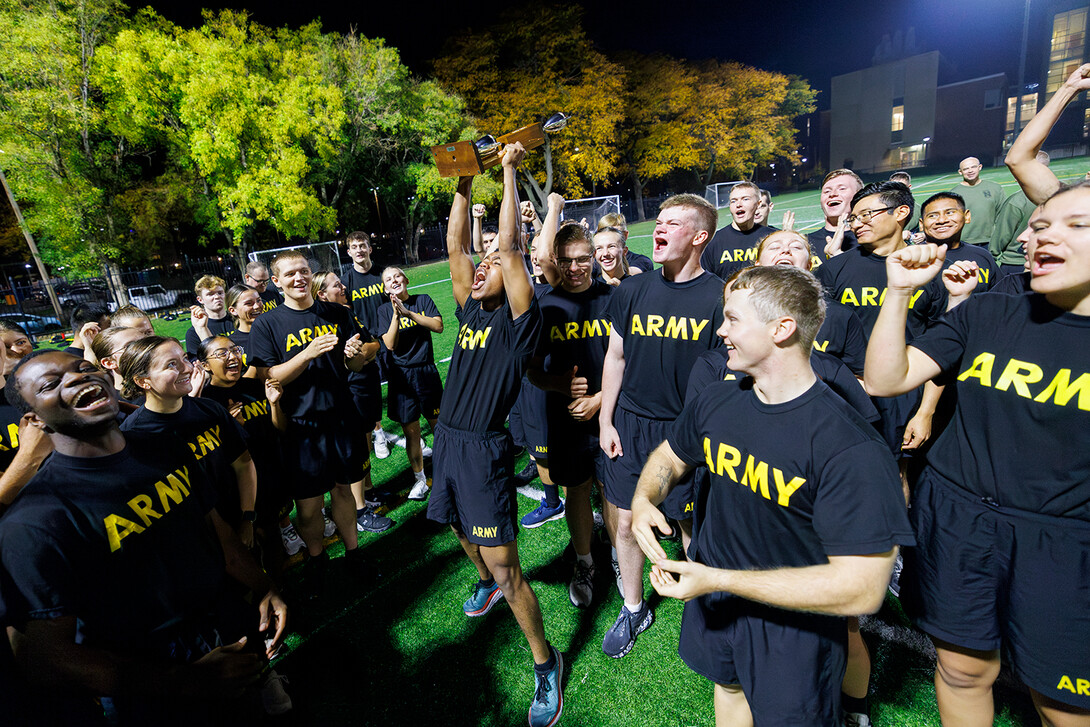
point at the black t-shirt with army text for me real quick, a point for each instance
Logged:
(414, 346)
(1020, 434)
(575, 333)
(366, 294)
(857, 278)
(731, 249)
(120, 542)
(487, 365)
(791, 483)
(842, 335)
(988, 271)
(216, 327)
(665, 327)
(283, 332)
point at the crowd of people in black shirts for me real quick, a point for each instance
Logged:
(774, 399)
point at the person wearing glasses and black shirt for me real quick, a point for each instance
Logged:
(257, 277)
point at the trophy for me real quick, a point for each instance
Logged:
(468, 158)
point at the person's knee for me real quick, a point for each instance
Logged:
(960, 670)
(624, 525)
(309, 508)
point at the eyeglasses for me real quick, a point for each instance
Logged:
(567, 262)
(223, 353)
(865, 216)
(259, 281)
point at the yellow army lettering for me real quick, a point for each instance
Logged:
(480, 532)
(595, 328)
(13, 438)
(367, 291)
(871, 296)
(269, 305)
(406, 322)
(174, 489)
(675, 327)
(468, 338)
(306, 335)
(1020, 374)
(206, 442)
(754, 475)
(1075, 686)
(255, 409)
(749, 253)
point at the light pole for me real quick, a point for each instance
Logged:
(30, 243)
(378, 210)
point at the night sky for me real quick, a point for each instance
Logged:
(816, 40)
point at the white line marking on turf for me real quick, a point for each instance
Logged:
(434, 282)
(532, 492)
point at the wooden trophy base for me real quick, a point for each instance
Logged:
(463, 159)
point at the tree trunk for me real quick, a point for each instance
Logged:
(637, 189)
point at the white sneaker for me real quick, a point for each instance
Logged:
(273, 697)
(420, 490)
(395, 440)
(330, 526)
(425, 449)
(291, 540)
(581, 588)
(382, 449)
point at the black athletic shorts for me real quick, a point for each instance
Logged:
(527, 420)
(366, 391)
(473, 484)
(894, 413)
(639, 436)
(987, 577)
(320, 454)
(413, 391)
(790, 665)
(573, 467)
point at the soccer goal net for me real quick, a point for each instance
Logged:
(719, 194)
(320, 255)
(591, 209)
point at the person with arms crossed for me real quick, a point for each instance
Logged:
(801, 522)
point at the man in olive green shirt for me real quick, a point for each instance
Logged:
(982, 198)
(1013, 217)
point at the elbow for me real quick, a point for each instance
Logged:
(870, 600)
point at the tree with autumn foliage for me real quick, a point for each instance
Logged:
(660, 109)
(532, 63)
(745, 118)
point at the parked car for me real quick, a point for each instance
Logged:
(83, 293)
(34, 325)
(152, 297)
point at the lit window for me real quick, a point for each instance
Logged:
(898, 119)
(1029, 110)
(1068, 46)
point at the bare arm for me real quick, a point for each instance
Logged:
(246, 475)
(612, 375)
(662, 471)
(546, 240)
(918, 428)
(358, 354)
(516, 279)
(459, 242)
(390, 337)
(273, 392)
(1035, 178)
(478, 233)
(892, 367)
(848, 585)
(34, 446)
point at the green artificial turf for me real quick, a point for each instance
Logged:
(401, 652)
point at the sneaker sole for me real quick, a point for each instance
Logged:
(538, 524)
(495, 598)
(560, 689)
(643, 626)
(362, 529)
(418, 499)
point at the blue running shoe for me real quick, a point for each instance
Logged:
(542, 514)
(483, 599)
(621, 636)
(548, 698)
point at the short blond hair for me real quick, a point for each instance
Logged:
(208, 282)
(706, 215)
(779, 292)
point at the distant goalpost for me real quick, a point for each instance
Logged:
(320, 256)
(719, 194)
(591, 209)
